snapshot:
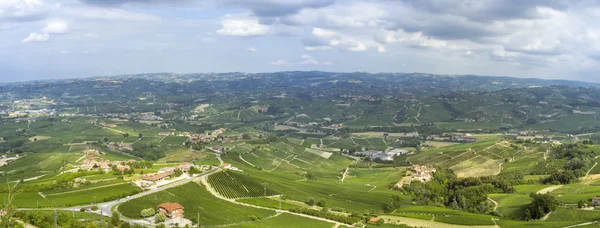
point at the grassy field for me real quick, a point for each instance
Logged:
(511, 205)
(94, 194)
(235, 185)
(195, 198)
(285, 220)
(574, 214)
(446, 215)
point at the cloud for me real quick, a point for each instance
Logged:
(345, 41)
(24, 10)
(251, 49)
(62, 52)
(309, 60)
(35, 37)
(317, 48)
(242, 25)
(279, 62)
(58, 27)
(113, 3)
(110, 14)
(275, 8)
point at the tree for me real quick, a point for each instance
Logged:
(178, 172)
(160, 217)
(94, 208)
(310, 201)
(105, 139)
(321, 203)
(115, 219)
(7, 220)
(126, 135)
(147, 212)
(380, 222)
(580, 204)
(140, 135)
(245, 136)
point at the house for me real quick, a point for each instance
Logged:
(155, 178)
(218, 149)
(596, 200)
(397, 152)
(171, 210)
(374, 219)
(166, 133)
(185, 166)
(226, 166)
(104, 166)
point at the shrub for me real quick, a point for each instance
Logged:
(94, 208)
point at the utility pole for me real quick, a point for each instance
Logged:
(55, 216)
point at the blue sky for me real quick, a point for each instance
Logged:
(46, 39)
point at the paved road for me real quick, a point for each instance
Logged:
(104, 208)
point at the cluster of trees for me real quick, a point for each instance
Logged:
(467, 194)
(541, 204)
(581, 157)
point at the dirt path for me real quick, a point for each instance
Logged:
(546, 216)
(588, 172)
(345, 172)
(494, 202)
(549, 189)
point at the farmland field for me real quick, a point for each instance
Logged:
(195, 199)
(292, 221)
(234, 185)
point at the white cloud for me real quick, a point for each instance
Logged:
(106, 14)
(35, 37)
(309, 60)
(58, 27)
(242, 26)
(251, 49)
(62, 52)
(317, 48)
(279, 62)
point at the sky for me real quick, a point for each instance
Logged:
(50, 39)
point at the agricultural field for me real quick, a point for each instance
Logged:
(195, 199)
(235, 185)
(292, 221)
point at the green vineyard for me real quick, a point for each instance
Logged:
(233, 185)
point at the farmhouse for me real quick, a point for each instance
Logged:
(217, 149)
(171, 210)
(185, 166)
(151, 180)
(596, 200)
(226, 166)
(422, 173)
